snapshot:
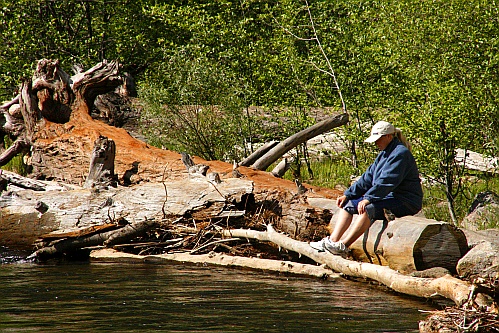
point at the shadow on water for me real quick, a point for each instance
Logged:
(98, 297)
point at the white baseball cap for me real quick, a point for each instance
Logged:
(379, 129)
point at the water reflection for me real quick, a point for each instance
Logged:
(96, 297)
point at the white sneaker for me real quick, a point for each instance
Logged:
(335, 247)
(319, 246)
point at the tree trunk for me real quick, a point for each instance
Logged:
(22, 223)
(284, 146)
(411, 244)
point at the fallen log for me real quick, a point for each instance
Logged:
(447, 286)
(411, 244)
(286, 145)
(21, 223)
(22, 182)
(73, 244)
(279, 266)
(252, 158)
(281, 168)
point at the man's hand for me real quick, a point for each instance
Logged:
(341, 201)
(361, 207)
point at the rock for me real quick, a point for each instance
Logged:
(481, 261)
(478, 236)
(483, 213)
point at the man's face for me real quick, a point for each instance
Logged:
(383, 142)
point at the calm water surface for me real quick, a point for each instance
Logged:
(98, 297)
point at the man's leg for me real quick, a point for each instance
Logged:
(341, 225)
(360, 225)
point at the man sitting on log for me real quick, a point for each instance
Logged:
(391, 184)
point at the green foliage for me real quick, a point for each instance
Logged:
(435, 205)
(74, 32)
(195, 108)
(16, 165)
(430, 67)
(328, 172)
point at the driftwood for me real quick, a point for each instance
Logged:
(252, 158)
(19, 146)
(447, 286)
(281, 168)
(460, 292)
(279, 266)
(22, 223)
(286, 145)
(411, 244)
(73, 244)
(22, 182)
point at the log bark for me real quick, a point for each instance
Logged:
(258, 153)
(411, 244)
(284, 146)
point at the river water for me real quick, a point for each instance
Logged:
(103, 297)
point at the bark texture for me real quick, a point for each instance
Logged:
(411, 244)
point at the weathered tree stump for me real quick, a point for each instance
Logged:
(101, 171)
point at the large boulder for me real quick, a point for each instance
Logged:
(482, 261)
(484, 212)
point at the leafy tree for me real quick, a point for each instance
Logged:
(74, 32)
(194, 108)
(447, 102)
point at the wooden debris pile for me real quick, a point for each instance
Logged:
(453, 319)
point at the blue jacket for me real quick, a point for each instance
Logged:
(394, 174)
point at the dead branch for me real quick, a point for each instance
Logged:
(70, 245)
(446, 286)
(221, 260)
(286, 145)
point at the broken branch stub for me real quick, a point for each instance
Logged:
(101, 171)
